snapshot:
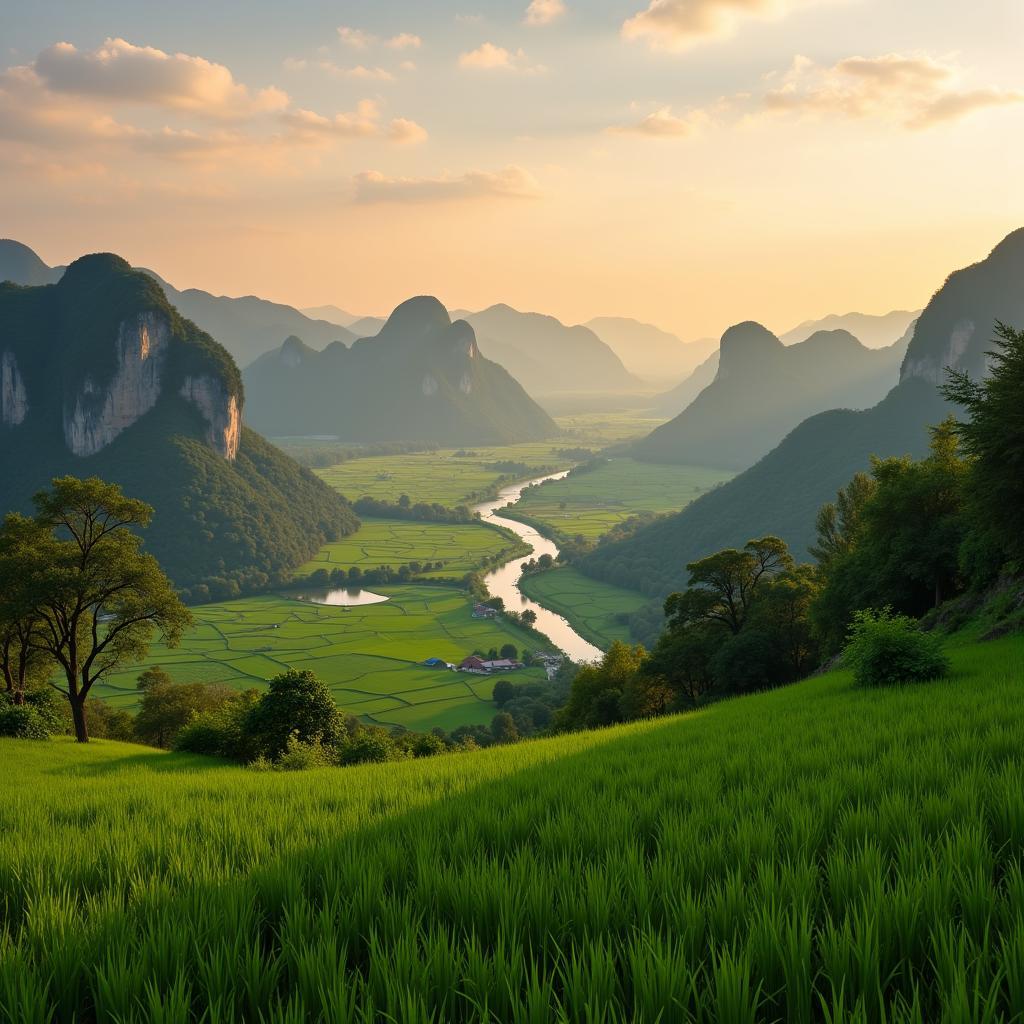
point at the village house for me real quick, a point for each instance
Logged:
(474, 663)
(483, 611)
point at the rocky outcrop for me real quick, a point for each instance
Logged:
(95, 416)
(931, 365)
(220, 409)
(13, 396)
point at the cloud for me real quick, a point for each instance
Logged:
(509, 183)
(406, 132)
(917, 91)
(678, 25)
(360, 71)
(663, 124)
(125, 73)
(354, 37)
(544, 12)
(488, 57)
(404, 41)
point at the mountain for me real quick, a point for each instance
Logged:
(367, 326)
(332, 314)
(19, 264)
(783, 491)
(247, 327)
(422, 377)
(779, 495)
(545, 355)
(101, 376)
(648, 351)
(871, 331)
(763, 389)
(673, 402)
(956, 327)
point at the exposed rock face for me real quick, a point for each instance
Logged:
(91, 421)
(221, 411)
(930, 365)
(13, 396)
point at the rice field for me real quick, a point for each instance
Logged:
(445, 477)
(596, 610)
(591, 503)
(816, 853)
(370, 655)
(461, 547)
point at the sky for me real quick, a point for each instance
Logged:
(690, 163)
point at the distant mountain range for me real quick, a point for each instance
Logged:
(650, 352)
(101, 376)
(422, 376)
(332, 314)
(247, 326)
(871, 331)
(783, 491)
(763, 389)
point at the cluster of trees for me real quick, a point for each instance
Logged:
(420, 512)
(382, 574)
(79, 599)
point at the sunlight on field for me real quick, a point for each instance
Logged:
(596, 610)
(369, 655)
(393, 542)
(592, 502)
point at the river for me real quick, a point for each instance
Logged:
(504, 582)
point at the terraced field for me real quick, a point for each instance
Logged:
(394, 542)
(369, 655)
(592, 502)
(594, 608)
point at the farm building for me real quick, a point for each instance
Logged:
(438, 663)
(483, 611)
(474, 663)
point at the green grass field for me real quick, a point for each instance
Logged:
(369, 656)
(591, 606)
(462, 548)
(816, 853)
(591, 503)
(443, 476)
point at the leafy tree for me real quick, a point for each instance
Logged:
(837, 521)
(503, 728)
(152, 676)
(96, 597)
(723, 586)
(784, 615)
(510, 652)
(529, 617)
(993, 437)
(504, 691)
(167, 707)
(296, 703)
(681, 659)
(595, 695)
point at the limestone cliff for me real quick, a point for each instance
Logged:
(221, 411)
(13, 397)
(97, 415)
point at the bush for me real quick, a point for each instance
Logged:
(221, 732)
(22, 721)
(885, 649)
(299, 756)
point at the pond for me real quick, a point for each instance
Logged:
(345, 597)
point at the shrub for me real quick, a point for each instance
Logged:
(221, 732)
(885, 649)
(298, 756)
(369, 745)
(22, 721)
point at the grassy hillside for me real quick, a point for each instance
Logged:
(814, 853)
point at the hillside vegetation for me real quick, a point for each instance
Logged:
(814, 853)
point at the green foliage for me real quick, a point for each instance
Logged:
(167, 707)
(596, 693)
(894, 538)
(815, 853)
(222, 731)
(22, 721)
(993, 437)
(296, 704)
(886, 649)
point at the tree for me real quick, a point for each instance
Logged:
(529, 617)
(503, 728)
(296, 703)
(838, 521)
(152, 676)
(96, 596)
(503, 692)
(723, 586)
(595, 695)
(510, 652)
(21, 664)
(167, 707)
(993, 437)
(545, 561)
